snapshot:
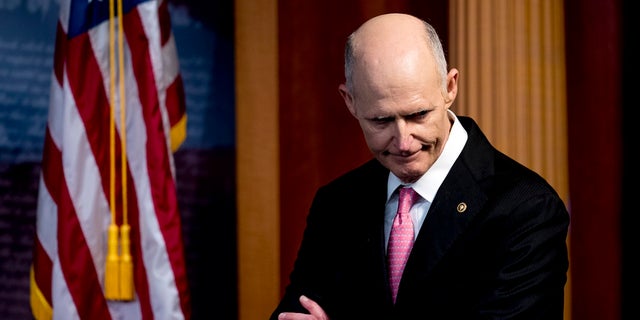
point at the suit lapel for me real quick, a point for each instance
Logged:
(449, 215)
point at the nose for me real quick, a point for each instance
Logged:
(404, 137)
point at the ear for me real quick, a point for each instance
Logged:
(452, 86)
(348, 99)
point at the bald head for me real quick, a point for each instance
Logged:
(398, 88)
(391, 46)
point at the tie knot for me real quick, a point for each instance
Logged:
(407, 198)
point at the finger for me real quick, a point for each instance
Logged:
(294, 316)
(314, 308)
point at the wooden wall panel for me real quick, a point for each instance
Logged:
(512, 61)
(257, 145)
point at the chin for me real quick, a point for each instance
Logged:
(407, 174)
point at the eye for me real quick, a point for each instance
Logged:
(382, 120)
(418, 115)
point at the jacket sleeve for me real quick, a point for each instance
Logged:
(532, 276)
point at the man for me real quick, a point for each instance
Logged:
(487, 236)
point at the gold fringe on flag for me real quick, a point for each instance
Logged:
(118, 284)
(40, 307)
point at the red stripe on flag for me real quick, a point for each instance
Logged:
(51, 167)
(160, 175)
(42, 267)
(87, 86)
(175, 100)
(165, 22)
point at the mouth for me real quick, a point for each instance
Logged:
(408, 154)
(403, 157)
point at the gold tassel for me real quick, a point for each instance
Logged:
(126, 265)
(118, 283)
(111, 274)
(111, 271)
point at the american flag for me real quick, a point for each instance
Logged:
(74, 201)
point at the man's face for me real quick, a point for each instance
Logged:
(404, 119)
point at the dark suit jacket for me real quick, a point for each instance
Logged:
(504, 257)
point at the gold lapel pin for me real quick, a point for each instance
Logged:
(462, 207)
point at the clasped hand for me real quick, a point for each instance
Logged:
(316, 312)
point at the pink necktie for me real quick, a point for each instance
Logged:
(401, 239)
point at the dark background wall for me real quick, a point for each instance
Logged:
(629, 217)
